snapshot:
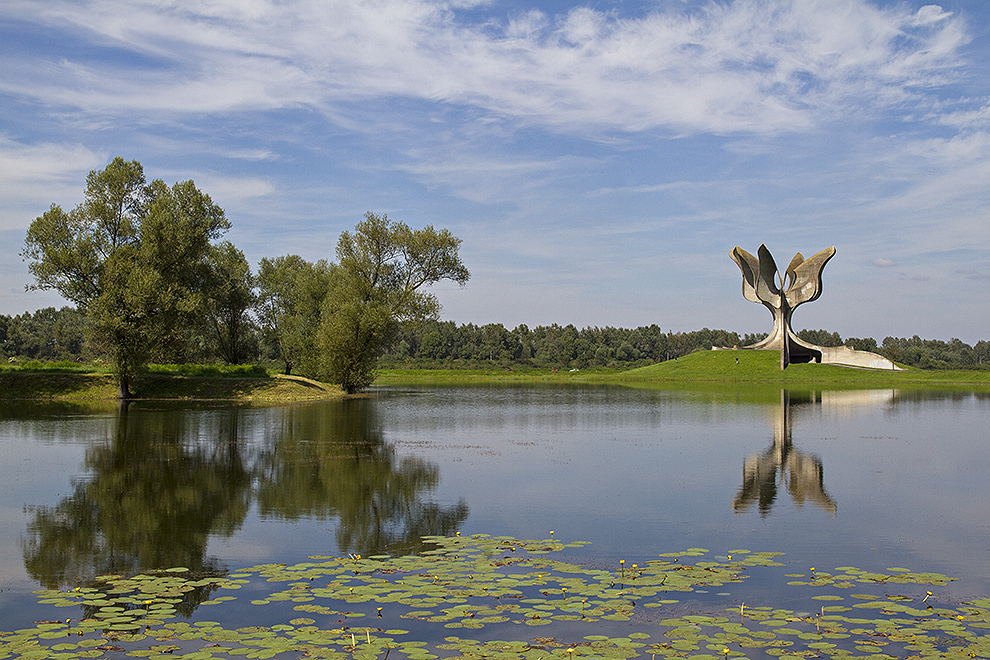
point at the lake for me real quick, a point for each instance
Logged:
(869, 479)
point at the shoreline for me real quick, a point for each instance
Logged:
(60, 387)
(753, 370)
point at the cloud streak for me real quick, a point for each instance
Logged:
(749, 66)
(46, 170)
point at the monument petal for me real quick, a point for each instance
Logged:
(805, 278)
(750, 267)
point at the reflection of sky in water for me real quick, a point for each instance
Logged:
(635, 472)
(39, 459)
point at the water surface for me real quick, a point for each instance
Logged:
(873, 479)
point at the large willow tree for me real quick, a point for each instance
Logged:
(133, 256)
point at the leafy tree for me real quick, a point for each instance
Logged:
(71, 331)
(626, 352)
(382, 267)
(982, 352)
(821, 337)
(432, 346)
(30, 335)
(6, 348)
(230, 301)
(46, 334)
(290, 299)
(131, 256)
(864, 344)
(751, 338)
(498, 344)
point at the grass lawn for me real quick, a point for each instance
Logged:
(753, 367)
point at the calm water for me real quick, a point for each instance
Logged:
(865, 478)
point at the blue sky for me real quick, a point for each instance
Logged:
(599, 160)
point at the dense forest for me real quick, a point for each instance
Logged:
(53, 335)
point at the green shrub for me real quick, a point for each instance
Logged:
(14, 364)
(209, 370)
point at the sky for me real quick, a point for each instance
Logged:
(598, 159)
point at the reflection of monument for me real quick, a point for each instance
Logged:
(801, 283)
(801, 472)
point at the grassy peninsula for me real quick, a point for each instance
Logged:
(67, 383)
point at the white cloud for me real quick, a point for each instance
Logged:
(50, 171)
(960, 149)
(883, 263)
(930, 14)
(484, 178)
(746, 66)
(226, 190)
(57, 173)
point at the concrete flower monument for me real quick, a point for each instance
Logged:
(800, 283)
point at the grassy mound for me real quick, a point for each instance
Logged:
(764, 367)
(706, 369)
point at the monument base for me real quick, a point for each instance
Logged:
(803, 352)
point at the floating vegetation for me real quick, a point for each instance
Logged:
(507, 599)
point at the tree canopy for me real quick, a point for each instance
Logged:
(142, 262)
(382, 267)
(231, 299)
(133, 256)
(289, 306)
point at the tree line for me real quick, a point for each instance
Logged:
(146, 266)
(65, 334)
(445, 344)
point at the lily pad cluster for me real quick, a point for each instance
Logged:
(472, 582)
(508, 599)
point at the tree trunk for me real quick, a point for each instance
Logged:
(124, 391)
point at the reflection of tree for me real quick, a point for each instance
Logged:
(802, 472)
(155, 497)
(333, 462)
(166, 481)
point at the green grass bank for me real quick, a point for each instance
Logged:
(711, 367)
(751, 370)
(100, 387)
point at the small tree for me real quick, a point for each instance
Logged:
(291, 292)
(231, 297)
(382, 267)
